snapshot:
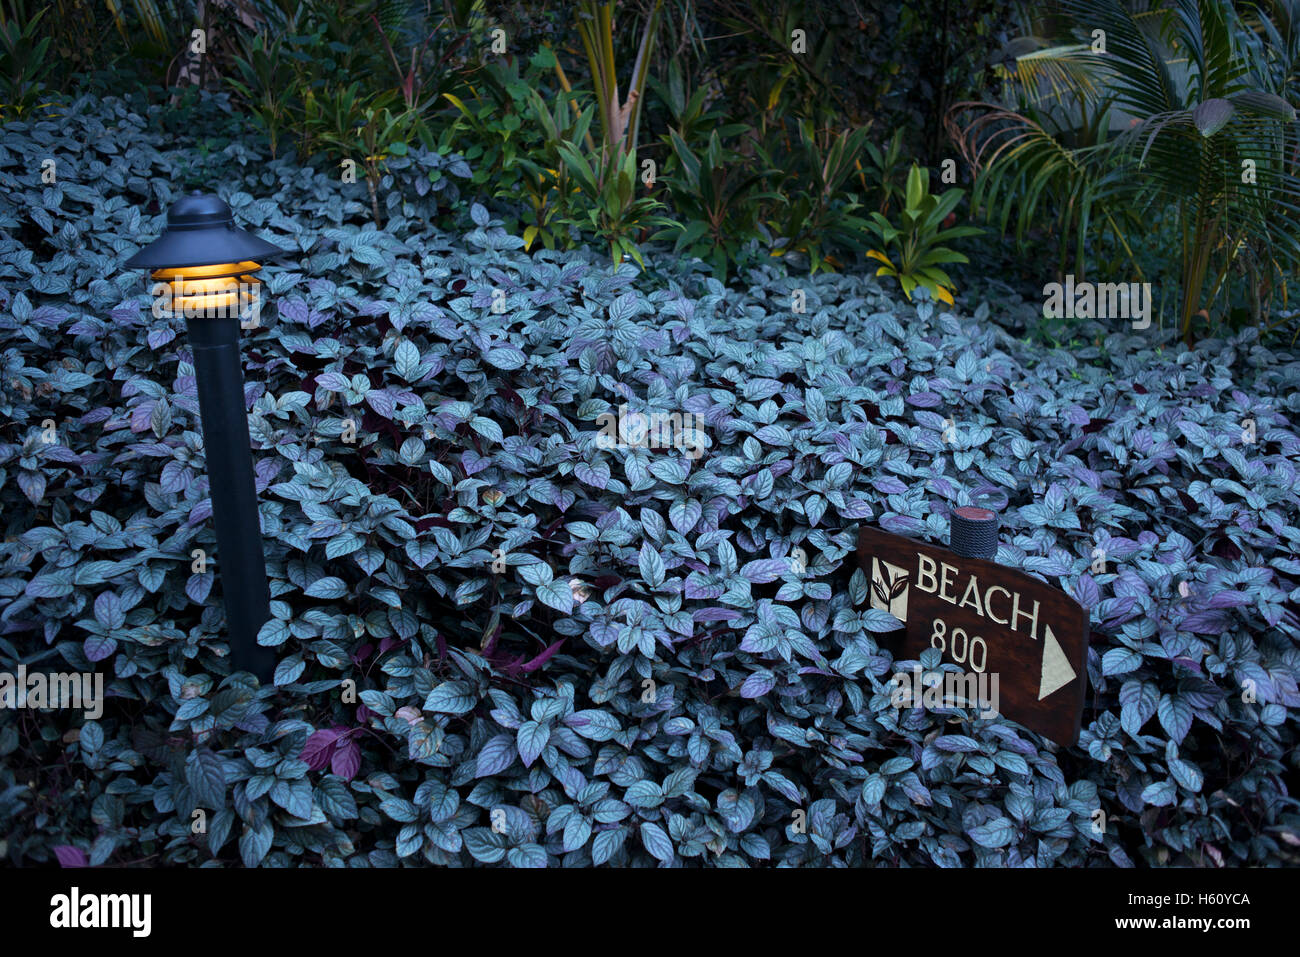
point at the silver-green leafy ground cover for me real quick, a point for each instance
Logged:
(704, 690)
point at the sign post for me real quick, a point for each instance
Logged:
(987, 619)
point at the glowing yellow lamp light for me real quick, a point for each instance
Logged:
(210, 290)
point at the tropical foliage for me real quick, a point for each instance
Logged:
(1173, 112)
(918, 257)
(568, 653)
(508, 634)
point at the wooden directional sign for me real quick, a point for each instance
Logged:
(986, 619)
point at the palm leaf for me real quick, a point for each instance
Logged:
(1020, 166)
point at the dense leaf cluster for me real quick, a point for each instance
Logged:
(566, 653)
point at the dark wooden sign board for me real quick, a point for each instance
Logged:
(988, 619)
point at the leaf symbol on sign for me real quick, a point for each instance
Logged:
(887, 590)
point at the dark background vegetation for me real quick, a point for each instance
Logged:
(915, 171)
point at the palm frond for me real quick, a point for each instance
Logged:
(1135, 63)
(1020, 167)
(1052, 72)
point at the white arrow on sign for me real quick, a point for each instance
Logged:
(1057, 672)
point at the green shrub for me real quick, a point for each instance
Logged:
(23, 66)
(917, 256)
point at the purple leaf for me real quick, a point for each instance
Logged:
(765, 570)
(316, 752)
(543, 658)
(70, 856)
(346, 761)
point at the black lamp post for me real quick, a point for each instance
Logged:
(208, 263)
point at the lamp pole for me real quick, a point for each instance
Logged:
(208, 263)
(240, 560)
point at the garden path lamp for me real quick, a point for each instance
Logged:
(208, 264)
